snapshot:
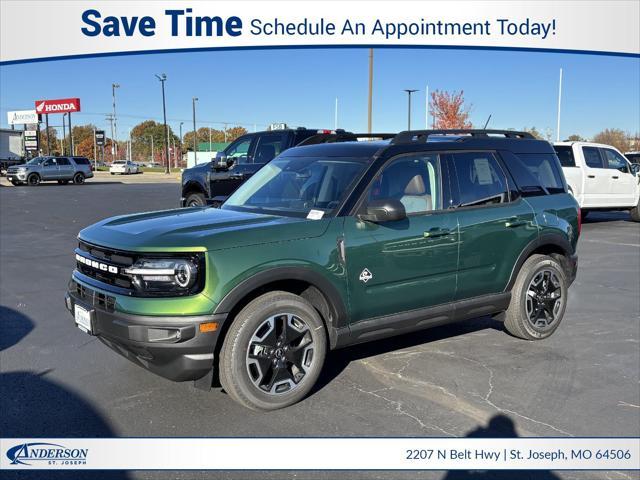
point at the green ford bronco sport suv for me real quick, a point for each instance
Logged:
(328, 246)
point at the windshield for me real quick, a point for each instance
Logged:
(295, 186)
(36, 161)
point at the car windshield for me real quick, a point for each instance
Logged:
(36, 161)
(298, 186)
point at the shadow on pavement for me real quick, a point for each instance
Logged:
(607, 216)
(500, 426)
(338, 360)
(14, 326)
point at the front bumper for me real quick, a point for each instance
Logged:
(17, 176)
(172, 347)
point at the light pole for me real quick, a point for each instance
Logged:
(409, 92)
(163, 78)
(153, 160)
(370, 104)
(181, 123)
(114, 130)
(64, 132)
(195, 133)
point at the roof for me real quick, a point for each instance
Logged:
(340, 149)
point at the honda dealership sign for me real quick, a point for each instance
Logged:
(22, 117)
(64, 105)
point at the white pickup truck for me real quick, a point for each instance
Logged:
(600, 177)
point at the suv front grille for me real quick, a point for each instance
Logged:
(105, 265)
(97, 299)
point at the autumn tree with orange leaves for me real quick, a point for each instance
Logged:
(449, 110)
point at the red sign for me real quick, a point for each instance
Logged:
(63, 105)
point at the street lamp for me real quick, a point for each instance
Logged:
(163, 78)
(409, 92)
(195, 148)
(114, 128)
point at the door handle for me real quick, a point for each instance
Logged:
(591, 176)
(615, 177)
(436, 232)
(514, 222)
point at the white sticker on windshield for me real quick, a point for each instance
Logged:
(483, 171)
(315, 214)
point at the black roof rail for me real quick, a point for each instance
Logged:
(421, 136)
(343, 136)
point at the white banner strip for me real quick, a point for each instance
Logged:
(322, 453)
(42, 29)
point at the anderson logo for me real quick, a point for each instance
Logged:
(51, 453)
(63, 105)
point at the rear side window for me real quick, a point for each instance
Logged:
(81, 160)
(544, 167)
(565, 155)
(592, 157)
(481, 180)
(63, 161)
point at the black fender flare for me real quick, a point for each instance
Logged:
(336, 304)
(546, 239)
(193, 186)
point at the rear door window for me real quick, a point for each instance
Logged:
(565, 155)
(592, 157)
(63, 161)
(545, 168)
(481, 180)
(268, 147)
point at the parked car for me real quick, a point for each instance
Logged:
(46, 169)
(600, 177)
(124, 167)
(332, 245)
(211, 183)
(153, 165)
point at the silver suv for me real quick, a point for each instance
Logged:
(46, 169)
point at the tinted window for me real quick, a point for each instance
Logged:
(633, 157)
(81, 160)
(268, 147)
(544, 167)
(413, 180)
(294, 186)
(592, 157)
(63, 161)
(238, 150)
(565, 155)
(481, 181)
(615, 160)
(50, 162)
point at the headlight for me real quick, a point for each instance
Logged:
(22, 169)
(171, 275)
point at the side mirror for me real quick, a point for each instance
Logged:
(220, 162)
(386, 210)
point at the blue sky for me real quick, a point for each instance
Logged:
(299, 86)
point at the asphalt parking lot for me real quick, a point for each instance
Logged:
(469, 379)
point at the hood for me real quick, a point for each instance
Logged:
(199, 228)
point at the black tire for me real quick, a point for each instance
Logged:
(635, 213)
(527, 302)
(33, 180)
(195, 200)
(241, 374)
(78, 178)
(63, 182)
(16, 184)
(112, 173)
(584, 214)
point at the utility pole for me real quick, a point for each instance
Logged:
(369, 111)
(195, 133)
(114, 125)
(110, 120)
(559, 102)
(181, 123)
(163, 78)
(64, 133)
(409, 92)
(153, 159)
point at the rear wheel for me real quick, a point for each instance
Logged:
(538, 299)
(33, 180)
(273, 352)
(635, 213)
(195, 200)
(78, 178)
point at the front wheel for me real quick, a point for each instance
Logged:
(273, 352)
(33, 180)
(195, 200)
(538, 299)
(78, 179)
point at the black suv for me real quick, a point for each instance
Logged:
(212, 182)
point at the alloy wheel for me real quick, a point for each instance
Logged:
(280, 353)
(544, 299)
